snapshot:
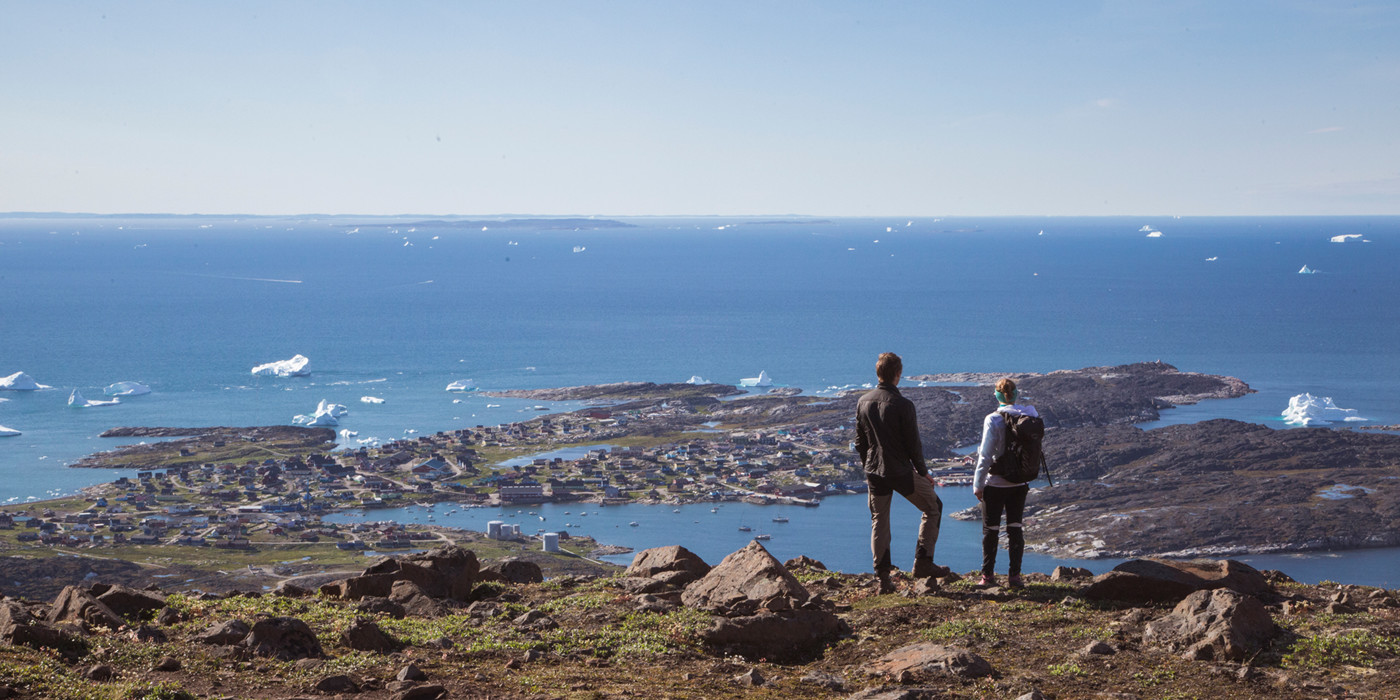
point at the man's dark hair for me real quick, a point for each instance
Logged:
(888, 367)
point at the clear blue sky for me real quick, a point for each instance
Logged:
(716, 107)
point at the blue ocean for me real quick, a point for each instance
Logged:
(397, 310)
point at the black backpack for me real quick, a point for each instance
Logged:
(1021, 461)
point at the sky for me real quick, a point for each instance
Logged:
(659, 107)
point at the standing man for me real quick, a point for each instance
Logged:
(887, 437)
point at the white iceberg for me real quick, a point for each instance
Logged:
(295, 367)
(346, 434)
(1307, 271)
(19, 381)
(127, 389)
(1344, 237)
(76, 400)
(8, 432)
(1145, 228)
(462, 385)
(1306, 409)
(371, 399)
(761, 380)
(327, 415)
(697, 379)
(1155, 234)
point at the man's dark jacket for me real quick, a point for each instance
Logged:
(887, 434)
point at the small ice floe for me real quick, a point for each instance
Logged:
(1305, 270)
(371, 399)
(579, 248)
(761, 380)
(19, 381)
(1345, 237)
(697, 379)
(456, 401)
(409, 431)
(327, 415)
(1213, 258)
(493, 405)
(346, 434)
(76, 400)
(127, 389)
(1155, 234)
(295, 367)
(462, 385)
(1145, 229)
(1337, 492)
(1306, 409)
(889, 229)
(512, 242)
(9, 432)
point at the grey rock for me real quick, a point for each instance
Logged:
(822, 679)
(128, 602)
(752, 678)
(166, 664)
(422, 692)
(412, 673)
(285, 638)
(791, 636)
(1069, 573)
(339, 683)
(745, 581)
(100, 673)
(365, 635)
(230, 632)
(76, 605)
(516, 570)
(1219, 625)
(929, 658)
(1098, 648)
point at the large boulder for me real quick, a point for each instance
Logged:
(513, 570)
(415, 603)
(223, 633)
(675, 559)
(365, 635)
(74, 604)
(792, 636)
(126, 601)
(925, 659)
(744, 582)
(284, 638)
(19, 627)
(1162, 581)
(1219, 625)
(445, 572)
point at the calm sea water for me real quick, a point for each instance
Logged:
(189, 305)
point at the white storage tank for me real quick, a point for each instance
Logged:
(551, 541)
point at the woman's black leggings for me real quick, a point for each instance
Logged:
(1012, 499)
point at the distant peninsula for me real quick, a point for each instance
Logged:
(577, 224)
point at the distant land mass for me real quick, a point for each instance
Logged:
(532, 224)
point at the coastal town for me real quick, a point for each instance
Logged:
(657, 450)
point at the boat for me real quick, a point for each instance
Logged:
(745, 528)
(633, 523)
(763, 537)
(780, 519)
(714, 510)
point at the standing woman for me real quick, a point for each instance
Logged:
(998, 494)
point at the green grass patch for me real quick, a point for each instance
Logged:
(1349, 648)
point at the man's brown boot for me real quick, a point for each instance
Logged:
(925, 568)
(885, 583)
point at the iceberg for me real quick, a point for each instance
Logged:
(8, 432)
(127, 389)
(327, 415)
(19, 381)
(1306, 409)
(76, 400)
(1344, 237)
(761, 380)
(697, 379)
(462, 385)
(295, 367)
(371, 399)
(1307, 271)
(1155, 234)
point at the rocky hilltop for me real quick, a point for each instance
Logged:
(444, 624)
(1217, 487)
